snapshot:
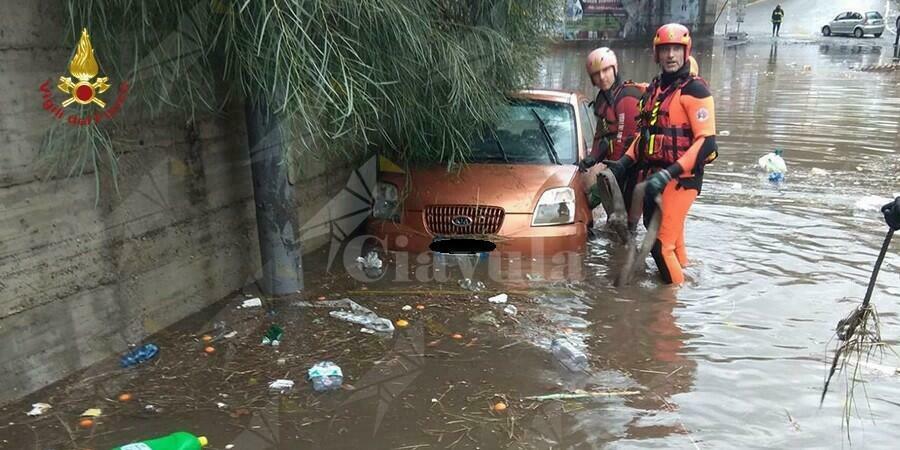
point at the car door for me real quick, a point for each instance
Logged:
(588, 125)
(855, 19)
(839, 23)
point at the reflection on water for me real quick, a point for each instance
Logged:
(729, 356)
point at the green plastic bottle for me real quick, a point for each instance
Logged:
(175, 441)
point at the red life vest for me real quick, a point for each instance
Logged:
(615, 124)
(665, 133)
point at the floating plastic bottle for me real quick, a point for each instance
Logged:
(273, 336)
(774, 165)
(568, 354)
(471, 285)
(176, 441)
(139, 355)
(325, 376)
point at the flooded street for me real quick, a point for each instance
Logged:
(735, 358)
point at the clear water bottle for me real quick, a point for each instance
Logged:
(139, 355)
(325, 376)
(568, 354)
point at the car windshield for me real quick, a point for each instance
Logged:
(518, 138)
(873, 15)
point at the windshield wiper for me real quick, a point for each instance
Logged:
(551, 149)
(500, 147)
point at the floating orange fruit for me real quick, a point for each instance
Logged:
(86, 423)
(457, 336)
(206, 338)
(125, 397)
(402, 323)
(499, 407)
(209, 350)
(420, 307)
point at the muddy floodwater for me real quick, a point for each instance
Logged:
(735, 358)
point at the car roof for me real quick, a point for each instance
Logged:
(553, 95)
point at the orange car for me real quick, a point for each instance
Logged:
(521, 192)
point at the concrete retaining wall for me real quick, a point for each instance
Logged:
(79, 280)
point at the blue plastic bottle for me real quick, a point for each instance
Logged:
(139, 355)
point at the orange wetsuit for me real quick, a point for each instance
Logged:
(677, 132)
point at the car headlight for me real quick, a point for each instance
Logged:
(556, 207)
(386, 201)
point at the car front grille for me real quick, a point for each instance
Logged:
(463, 219)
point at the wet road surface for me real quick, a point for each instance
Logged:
(734, 359)
(804, 19)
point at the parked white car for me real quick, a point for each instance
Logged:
(856, 23)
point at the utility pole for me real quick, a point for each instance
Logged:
(282, 271)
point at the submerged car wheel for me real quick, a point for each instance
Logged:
(826, 30)
(858, 32)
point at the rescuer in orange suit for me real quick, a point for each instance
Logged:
(676, 139)
(616, 108)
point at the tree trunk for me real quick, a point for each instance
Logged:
(282, 271)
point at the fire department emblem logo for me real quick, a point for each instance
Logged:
(84, 88)
(702, 114)
(83, 68)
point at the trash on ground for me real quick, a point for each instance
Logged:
(406, 308)
(773, 163)
(125, 397)
(273, 336)
(456, 336)
(221, 405)
(180, 440)
(281, 385)
(501, 298)
(281, 361)
(230, 335)
(358, 314)
(252, 303)
(371, 264)
(510, 310)
(568, 354)
(139, 355)
(725, 133)
(534, 277)
(499, 407)
(38, 408)
(401, 323)
(206, 338)
(486, 318)
(93, 412)
(579, 394)
(471, 285)
(367, 330)
(325, 376)
(420, 307)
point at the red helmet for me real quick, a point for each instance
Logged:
(672, 33)
(600, 59)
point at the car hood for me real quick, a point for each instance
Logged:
(514, 187)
